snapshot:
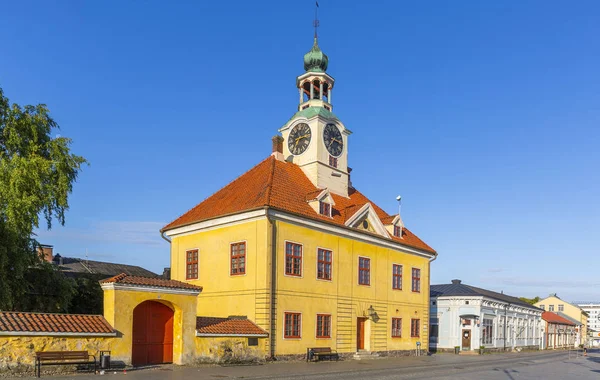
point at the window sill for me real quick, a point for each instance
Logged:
(324, 279)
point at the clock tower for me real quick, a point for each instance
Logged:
(314, 138)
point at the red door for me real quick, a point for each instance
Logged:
(152, 334)
(360, 333)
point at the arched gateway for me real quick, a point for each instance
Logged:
(154, 317)
(152, 334)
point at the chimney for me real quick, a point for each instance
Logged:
(58, 260)
(45, 252)
(277, 147)
(166, 273)
(349, 180)
(456, 282)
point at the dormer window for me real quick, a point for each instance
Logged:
(325, 209)
(398, 231)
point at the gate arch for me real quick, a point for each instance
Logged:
(152, 334)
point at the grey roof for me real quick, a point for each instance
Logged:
(75, 266)
(575, 321)
(459, 289)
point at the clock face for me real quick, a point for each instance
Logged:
(299, 138)
(333, 140)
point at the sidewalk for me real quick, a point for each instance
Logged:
(276, 370)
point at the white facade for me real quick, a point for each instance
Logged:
(593, 311)
(470, 322)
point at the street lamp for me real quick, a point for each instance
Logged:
(371, 311)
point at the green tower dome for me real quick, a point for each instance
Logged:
(315, 60)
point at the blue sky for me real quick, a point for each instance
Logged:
(484, 116)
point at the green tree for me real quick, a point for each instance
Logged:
(530, 301)
(37, 173)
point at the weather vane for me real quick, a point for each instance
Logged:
(316, 22)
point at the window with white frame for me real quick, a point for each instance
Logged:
(487, 331)
(561, 307)
(324, 208)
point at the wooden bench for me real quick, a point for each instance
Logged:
(62, 358)
(318, 353)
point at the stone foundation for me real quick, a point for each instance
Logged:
(17, 353)
(228, 350)
(398, 353)
(487, 350)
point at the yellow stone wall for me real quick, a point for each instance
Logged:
(223, 294)
(118, 311)
(228, 350)
(18, 352)
(343, 298)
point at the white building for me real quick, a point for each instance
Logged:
(593, 311)
(468, 317)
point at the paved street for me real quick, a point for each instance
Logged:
(536, 365)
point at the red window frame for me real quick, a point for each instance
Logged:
(398, 231)
(191, 264)
(324, 208)
(238, 259)
(323, 326)
(333, 161)
(293, 259)
(396, 327)
(397, 276)
(364, 271)
(291, 325)
(415, 328)
(416, 280)
(324, 264)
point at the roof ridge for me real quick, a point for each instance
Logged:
(44, 313)
(218, 190)
(270, 181)
(116, 278)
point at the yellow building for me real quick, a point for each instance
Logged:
(293, 246)
(554, 304)
(288, 256)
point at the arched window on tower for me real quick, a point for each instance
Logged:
(306, 91)
(316, 89)
(326, 92)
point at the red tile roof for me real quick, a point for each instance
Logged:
(149, 282)
(283, 186)
(17, 322)
(555, 318)
(239, 326)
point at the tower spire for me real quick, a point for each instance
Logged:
(316, 22)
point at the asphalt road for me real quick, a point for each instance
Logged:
(538, 365)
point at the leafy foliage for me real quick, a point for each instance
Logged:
(88, 297)
(37, 173)
(530, 301)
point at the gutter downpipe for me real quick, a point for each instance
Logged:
(162, 235)
(273, 286)
(429, 300)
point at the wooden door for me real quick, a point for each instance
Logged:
(466, 339)
(360, 333)
(152, 334)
